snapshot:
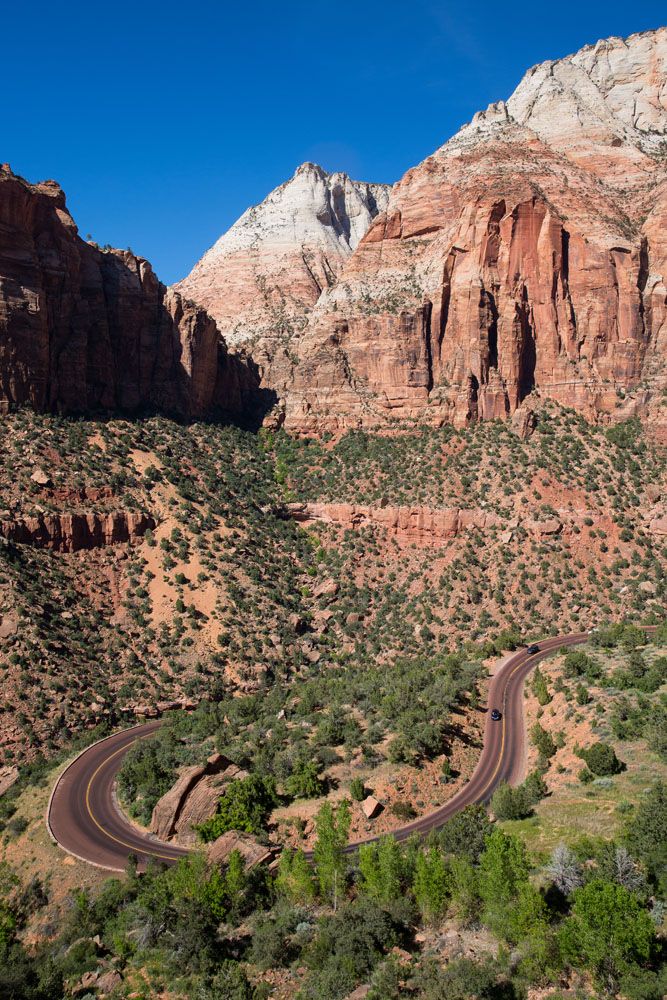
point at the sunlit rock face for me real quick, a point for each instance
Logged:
(526, 256)
(262, 277)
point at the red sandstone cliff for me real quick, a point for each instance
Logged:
(528, 255)
(73, 532)
(84, 330)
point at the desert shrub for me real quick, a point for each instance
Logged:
(357, 790)
(464, 835)
(245, 806)
(347, 947)
(601, 759)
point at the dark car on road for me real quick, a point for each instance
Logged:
(496, 715)
(533, 649)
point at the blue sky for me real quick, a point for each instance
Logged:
(164, 121)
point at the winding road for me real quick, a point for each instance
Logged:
(84, 818)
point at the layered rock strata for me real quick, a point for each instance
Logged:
(84, 330)
(422, 526)
(74, 532)
(428, 527)
(193, 799)
(526, 256)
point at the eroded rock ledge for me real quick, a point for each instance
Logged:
(421, 525)
(73, 532)
(427, 526)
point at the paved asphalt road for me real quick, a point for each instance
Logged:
(84, 820)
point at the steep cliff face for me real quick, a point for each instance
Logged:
(76, 531)
(527, 255)
(262, 277)
(85, 330)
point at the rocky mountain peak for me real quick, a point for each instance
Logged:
(526, 257)
(610, 95)
(263, 276)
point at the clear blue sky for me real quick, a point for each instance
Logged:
(164, 121)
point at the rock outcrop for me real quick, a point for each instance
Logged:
(527, 255)
(74, 532)
(422, 526)
(193, 799)
(262, 277)
(86, 330)
(430, 527)
(251, 850)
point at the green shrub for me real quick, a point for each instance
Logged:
(245, 807)
(601, 759)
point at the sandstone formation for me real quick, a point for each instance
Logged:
(428, 527)
(87, 330)
(422, 526)
(262, 277)
(193, 799)
(526, 256)
(73, 532)
(250, 849)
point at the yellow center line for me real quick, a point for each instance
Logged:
(170, 857)
(123, 843)
(502, 735)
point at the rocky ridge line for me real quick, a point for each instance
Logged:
(527, 256)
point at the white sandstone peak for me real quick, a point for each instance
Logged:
(313, 208)
(271, 266)
(610, 94)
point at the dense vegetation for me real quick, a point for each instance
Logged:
(229, 594)
(213, 933)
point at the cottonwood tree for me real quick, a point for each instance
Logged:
(333, 827)
(295, 877)
(431, 884)
(381, 867)
(503, 869)
(607, 932)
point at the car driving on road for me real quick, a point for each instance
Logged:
(533, 648)
(496, 715)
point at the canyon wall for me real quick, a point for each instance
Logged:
(74, 532)
(263, 276)
(86, 330)
(526, 256)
